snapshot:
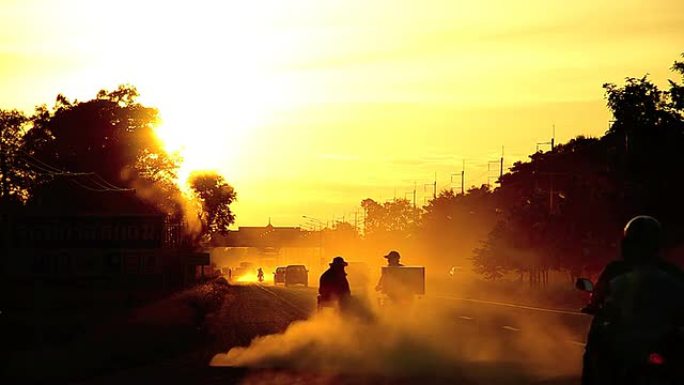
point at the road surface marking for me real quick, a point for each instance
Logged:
(465, 318)
(510, 328)
(509, 305)
(577, 343)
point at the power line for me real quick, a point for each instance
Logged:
(74, 181)
(103, 185)
(54, 169)
(106, 183)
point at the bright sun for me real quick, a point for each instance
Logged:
(219, 71)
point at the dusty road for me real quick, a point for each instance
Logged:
(499, 344)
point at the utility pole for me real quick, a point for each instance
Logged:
(499, 163)
(463, 178)
(552, 142)
(491, 167)
(413, 192)
(434, 187)
(462, 173)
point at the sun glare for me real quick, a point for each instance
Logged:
(229, 82)
(248, 278)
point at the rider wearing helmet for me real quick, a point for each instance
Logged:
(641, 243)
(637, 303)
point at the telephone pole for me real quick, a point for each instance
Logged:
(552, 142)
(463, 177)
(462, 173)
(434, 187)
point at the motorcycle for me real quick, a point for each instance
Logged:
(654, 367)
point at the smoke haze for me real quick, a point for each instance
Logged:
(423, 340)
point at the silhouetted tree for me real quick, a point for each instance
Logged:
(214, 195)
(112, 135)
(390, 225)
(564, 209)
(452, 225)
(645, 143)
(14, 175)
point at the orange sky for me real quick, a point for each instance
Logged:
(308, 106)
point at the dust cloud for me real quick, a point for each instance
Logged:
(420, 340)
(171, 200)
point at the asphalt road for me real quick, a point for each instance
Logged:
(485, 342)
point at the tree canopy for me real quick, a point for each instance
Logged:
(564, 209)
(106, 144)
(14, 175)
(111, 135)
(214, 195)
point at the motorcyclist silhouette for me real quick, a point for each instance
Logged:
(393, 291)
(260, 275)
(638, 304)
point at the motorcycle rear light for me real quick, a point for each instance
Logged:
(656, 359)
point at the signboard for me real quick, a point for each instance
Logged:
(81, 262)
(132, 232)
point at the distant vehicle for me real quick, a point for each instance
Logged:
(279, 275)
(296, 275)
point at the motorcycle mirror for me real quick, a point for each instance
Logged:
(584, 284)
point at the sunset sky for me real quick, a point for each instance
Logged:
(308, 106)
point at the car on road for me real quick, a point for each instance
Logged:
(296, 275)
(279, 275)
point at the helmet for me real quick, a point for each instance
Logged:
(642, 238)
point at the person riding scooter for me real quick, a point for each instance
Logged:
(391, 287)
(638, 308)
